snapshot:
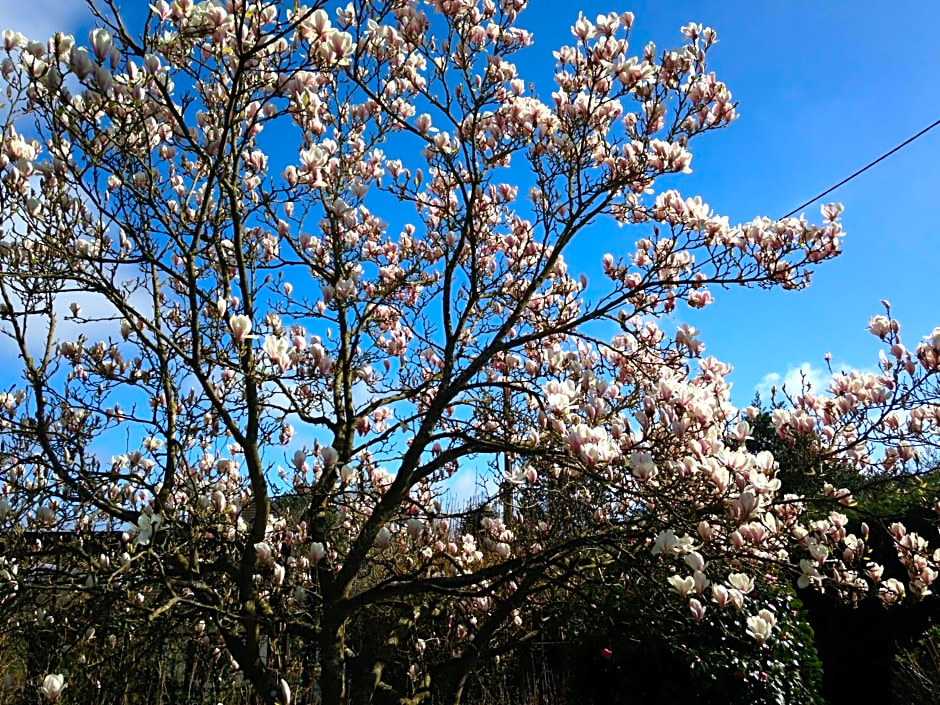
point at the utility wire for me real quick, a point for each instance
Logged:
(863, 169)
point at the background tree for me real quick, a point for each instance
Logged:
(861, 636)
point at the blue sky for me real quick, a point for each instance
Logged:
(823, 87)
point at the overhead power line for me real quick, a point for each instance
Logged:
(865, 168)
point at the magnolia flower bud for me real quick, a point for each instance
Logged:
(100, 40)
(329, 455)
(384, 538)
(695, 561)
(415, 527)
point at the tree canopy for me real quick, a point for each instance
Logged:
(254, 251)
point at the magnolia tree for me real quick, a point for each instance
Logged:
(253, 250)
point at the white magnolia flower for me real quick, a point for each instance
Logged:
(741, 581)
(264, 553)
(642, 465)
(278, 350)
(759, 628)
(768, 617)
(52, 686)
(681, 585)
(347, 474)
(240, 327)
(317, 551)
(146, 527)
(665, 542)
(695, 561)
(516, 477)
(810, 574)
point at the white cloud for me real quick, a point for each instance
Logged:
(101, 317)
(796, 376)
(463, 487)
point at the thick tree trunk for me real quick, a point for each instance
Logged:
(369, 667)
(449, 683)
(333, 662)
(261, 679)
(366, 680)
